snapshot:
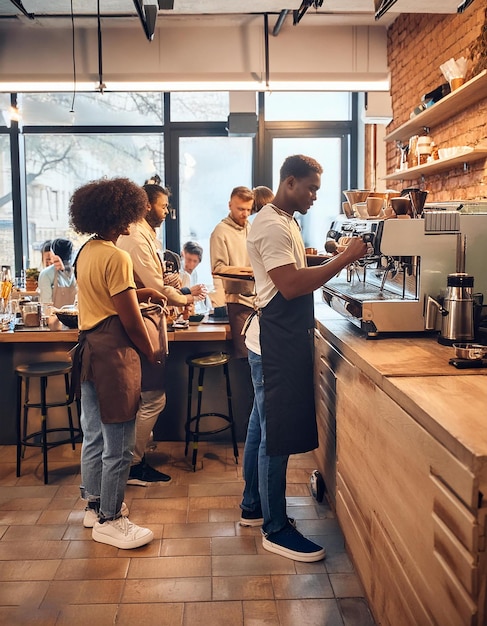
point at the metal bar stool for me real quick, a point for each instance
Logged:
(192, 426)
(42, 438)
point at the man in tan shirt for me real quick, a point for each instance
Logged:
(145, 249)
(228, 248)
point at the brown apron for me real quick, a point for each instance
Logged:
(286, 340)
(110, 360)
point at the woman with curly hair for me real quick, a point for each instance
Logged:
(112, 334)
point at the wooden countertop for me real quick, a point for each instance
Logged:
(414, 371)
(408, 355)
(202, 332)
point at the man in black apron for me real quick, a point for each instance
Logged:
(280, 343)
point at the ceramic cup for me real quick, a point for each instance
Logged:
(401, 206)
(360, 209)
(347, 209)
(374, 206)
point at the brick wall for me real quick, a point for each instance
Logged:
(417, 46)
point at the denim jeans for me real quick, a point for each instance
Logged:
(264, 476)
(106, 455)
(151, 405)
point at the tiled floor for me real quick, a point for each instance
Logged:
(201, 569)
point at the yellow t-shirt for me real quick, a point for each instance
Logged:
(102, 271)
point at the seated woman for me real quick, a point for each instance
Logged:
(57, 283)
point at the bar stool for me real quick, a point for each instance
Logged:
(42, 438)
(201, 362)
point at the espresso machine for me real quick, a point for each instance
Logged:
(408, 263)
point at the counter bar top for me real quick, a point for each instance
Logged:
(202, 332)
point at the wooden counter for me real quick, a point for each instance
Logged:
(201, 332)
(43, 345)
(403, 447)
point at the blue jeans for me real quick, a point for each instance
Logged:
(106, 455)
(265, 476)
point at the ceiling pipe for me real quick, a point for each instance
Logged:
(138, 4)
(20, 7)
(280, 21)
(266, 45)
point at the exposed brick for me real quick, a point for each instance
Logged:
(417, 46)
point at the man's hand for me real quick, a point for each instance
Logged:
(199, 292)
(57, 262)
(172, 279)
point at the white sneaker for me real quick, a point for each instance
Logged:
(121, 533)
(91, 516)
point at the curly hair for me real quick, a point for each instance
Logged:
(107, 206)
(299, 166)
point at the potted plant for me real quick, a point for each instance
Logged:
(31, 277)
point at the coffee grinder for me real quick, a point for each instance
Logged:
(457, 309)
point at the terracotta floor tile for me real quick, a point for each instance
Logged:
(242, 588)
(92, 569)
(198, 517)
(170, 567)
(215, 502)
(338, 563)
(346, 585)
(168, 614)
(19, 616)
(177, 531)
(302, 586)
(355, 612)
(17, 593)
(29, 570)
(167, 590)
(233, 545)
(63, 592)
(215, 613)
(231, 488)
(224, 515)
(251, 565)
(25, 550)
(187, 547)
(35, 533)
(89, 549)
(261, 613)
(150, 505)
(84, 614)
(58, 516)
(309, 612)
(201, 568)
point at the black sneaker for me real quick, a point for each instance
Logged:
(143, 474)
(250, 519)
(290, 543)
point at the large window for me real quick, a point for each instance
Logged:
(209, 168)
(56, 165)
(327, 151)
(7, 256)
(91, 109)
(65, 140)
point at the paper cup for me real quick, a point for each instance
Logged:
(455, 83)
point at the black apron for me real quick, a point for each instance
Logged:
(286, 340)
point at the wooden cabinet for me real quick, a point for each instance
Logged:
(448, 107)
(411, 485)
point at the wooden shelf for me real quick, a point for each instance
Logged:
(438, 166)
(456, 101)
